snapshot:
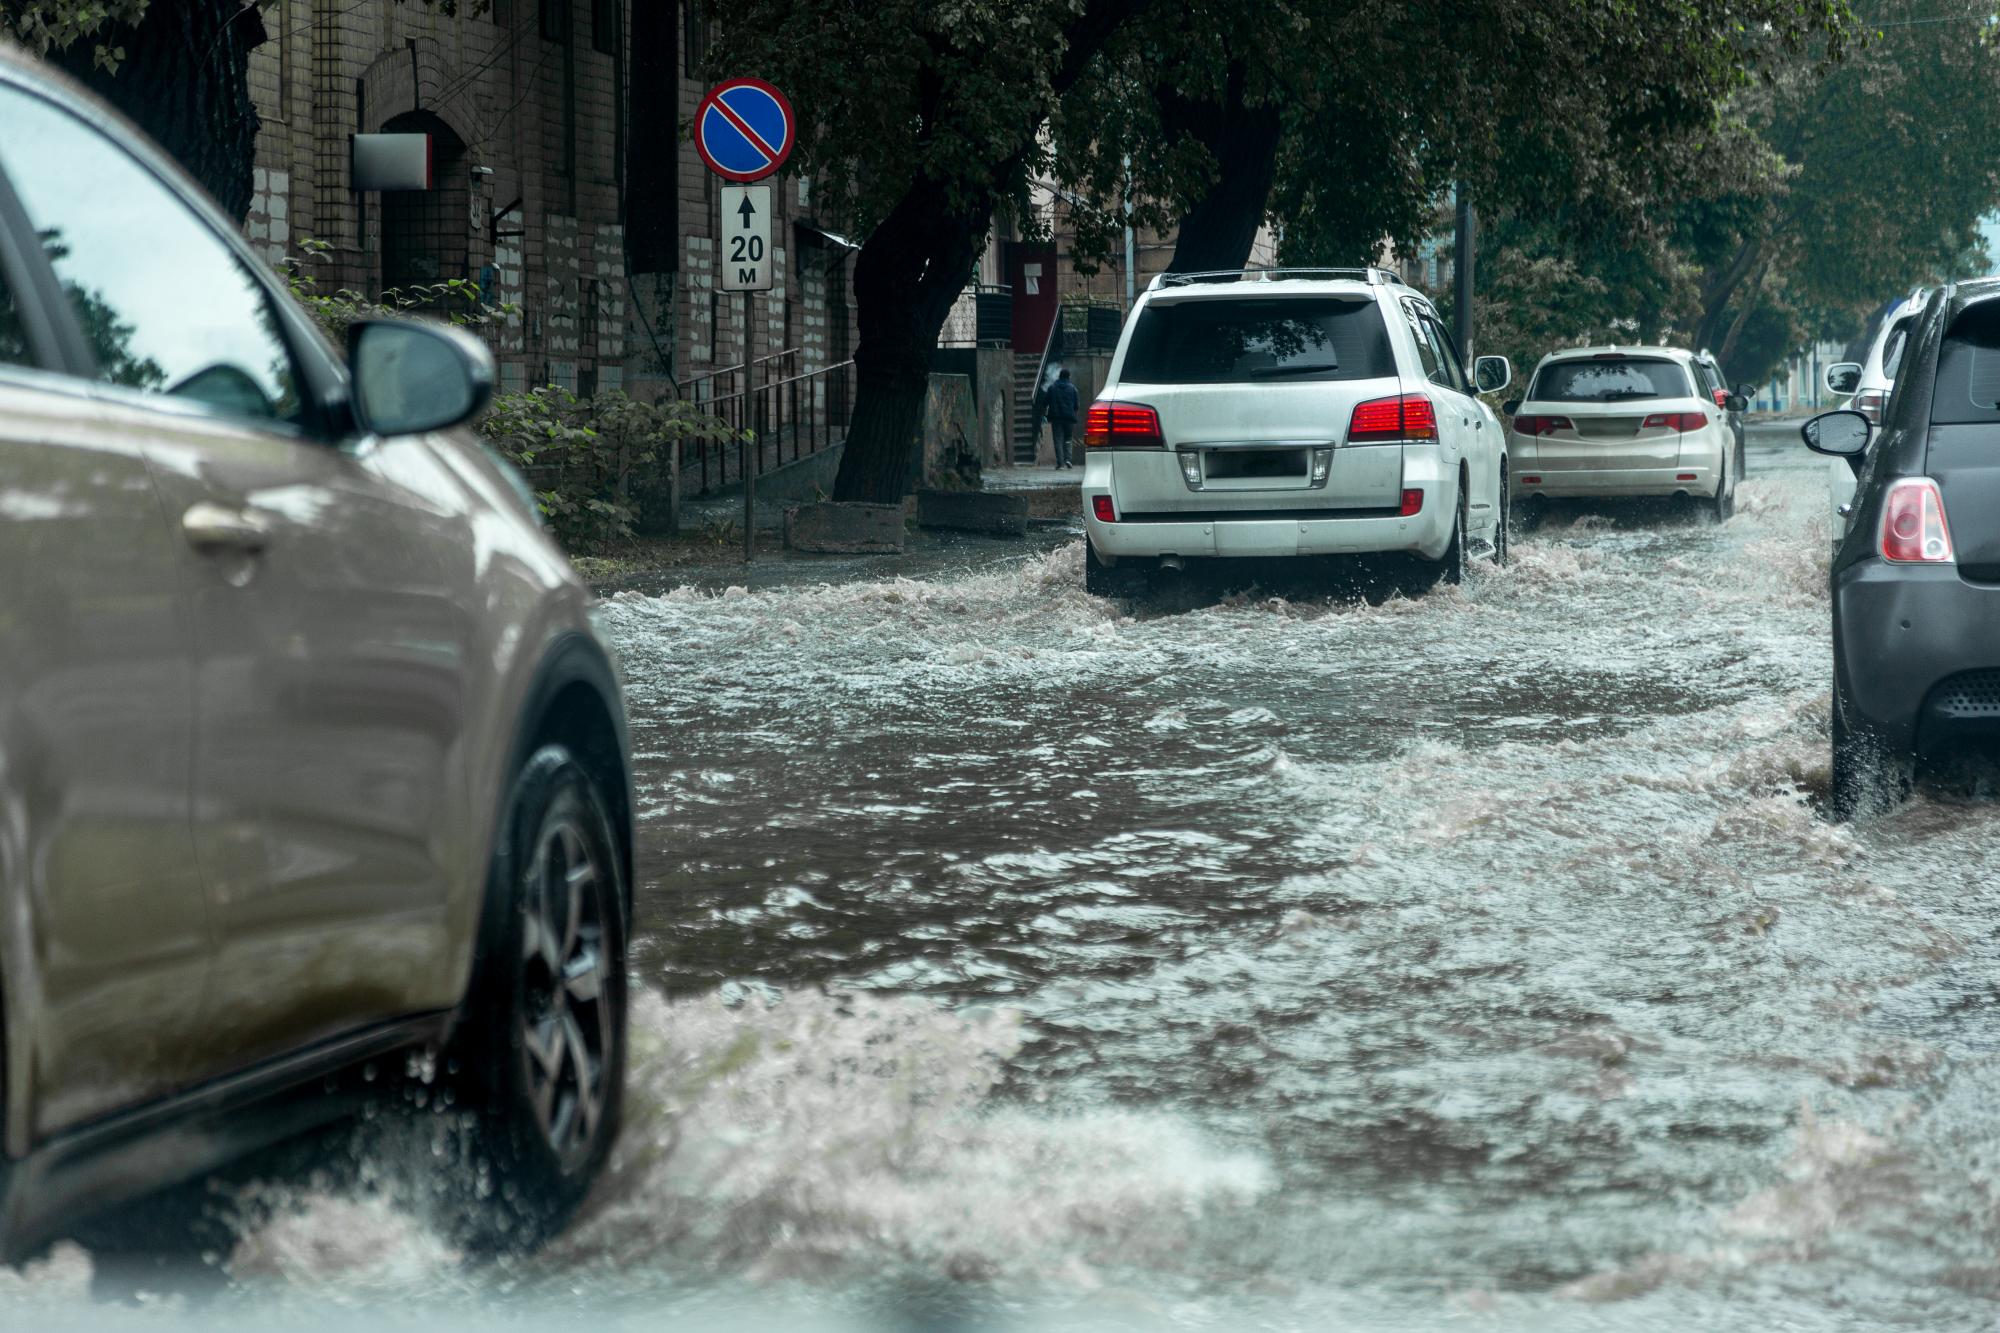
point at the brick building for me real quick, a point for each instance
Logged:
(561, 182)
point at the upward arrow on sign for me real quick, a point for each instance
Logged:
(746, 259)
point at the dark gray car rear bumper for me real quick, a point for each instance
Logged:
(1905, 639)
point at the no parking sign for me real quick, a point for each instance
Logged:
(744, 130)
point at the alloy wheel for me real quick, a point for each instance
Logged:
(567, 1029)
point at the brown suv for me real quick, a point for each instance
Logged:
(309, 755)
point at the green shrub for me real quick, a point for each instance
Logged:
(459, 301)
(582, 455)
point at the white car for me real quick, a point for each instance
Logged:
(1289, 412)
(1616, 422)
(1868, 382)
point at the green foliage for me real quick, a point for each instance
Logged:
(955, 93)
(581, 455)
(1817, 193)
(458, 301)
(54, 25)
(1387, 104)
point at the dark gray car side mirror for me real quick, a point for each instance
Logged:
(1511, 406)
(411, 377)
(1737, 402)
(1840, 434)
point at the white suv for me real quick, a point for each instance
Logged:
(1868, 382)
(1603, 422)
(1288, 412)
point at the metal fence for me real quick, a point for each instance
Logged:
(982, 316)
(1091, 323)
(789, 419)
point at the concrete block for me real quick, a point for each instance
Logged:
(995, 512)
(844, 529)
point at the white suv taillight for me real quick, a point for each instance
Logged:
(1913, 526)
(1870, 402)
(1110, 425)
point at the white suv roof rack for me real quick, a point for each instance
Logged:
(1374, 277)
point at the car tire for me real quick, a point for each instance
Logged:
(1867, 777)
(1503, 527)
(540, 1059)
(1453, 570)
(1102, 580)
(1449, 567)
(1723, 505)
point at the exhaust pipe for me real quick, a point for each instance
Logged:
(1171, 562)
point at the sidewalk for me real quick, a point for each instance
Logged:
(1032, 478)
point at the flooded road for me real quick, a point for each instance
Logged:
(1019, 960)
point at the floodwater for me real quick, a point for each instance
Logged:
(1017, 961)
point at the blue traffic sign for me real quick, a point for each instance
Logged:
(744, 129)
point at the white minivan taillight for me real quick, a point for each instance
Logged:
(1913, 526)
(1870, 402)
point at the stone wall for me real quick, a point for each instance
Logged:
(529, 126)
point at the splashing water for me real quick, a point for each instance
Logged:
(1257, 960)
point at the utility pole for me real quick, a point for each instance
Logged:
(1461, 278)
(1131, 276)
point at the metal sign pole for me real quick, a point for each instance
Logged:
(744, 131)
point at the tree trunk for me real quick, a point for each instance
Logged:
(913, 266)
(186, 81)
(1219, 229)
(905, 280)
(1725, 354)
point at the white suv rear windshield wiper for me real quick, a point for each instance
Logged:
(1271, 372)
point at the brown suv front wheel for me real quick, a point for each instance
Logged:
(542, 1059)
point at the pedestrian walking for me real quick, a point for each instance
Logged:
(1062, 416)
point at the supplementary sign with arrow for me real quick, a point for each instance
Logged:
(746, 238)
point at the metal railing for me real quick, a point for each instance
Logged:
(788, 419)
(1092, 323)
(742, 373)
(982, 316)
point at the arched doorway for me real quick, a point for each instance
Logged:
(425, 233)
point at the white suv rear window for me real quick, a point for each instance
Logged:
(1213, 341)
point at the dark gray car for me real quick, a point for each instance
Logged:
(1916, 580)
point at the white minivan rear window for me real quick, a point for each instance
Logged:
(1610, 379)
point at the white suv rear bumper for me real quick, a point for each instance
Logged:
(1426, 533)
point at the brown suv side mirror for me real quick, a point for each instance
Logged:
(411, 377)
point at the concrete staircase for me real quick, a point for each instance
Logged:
(1027, 437)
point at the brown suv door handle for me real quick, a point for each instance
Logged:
(210, 528)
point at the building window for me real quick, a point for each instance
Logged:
(604, 18)
(695, 40)
(555, 21)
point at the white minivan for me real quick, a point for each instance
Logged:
(1289, 412)
(1615, 422)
